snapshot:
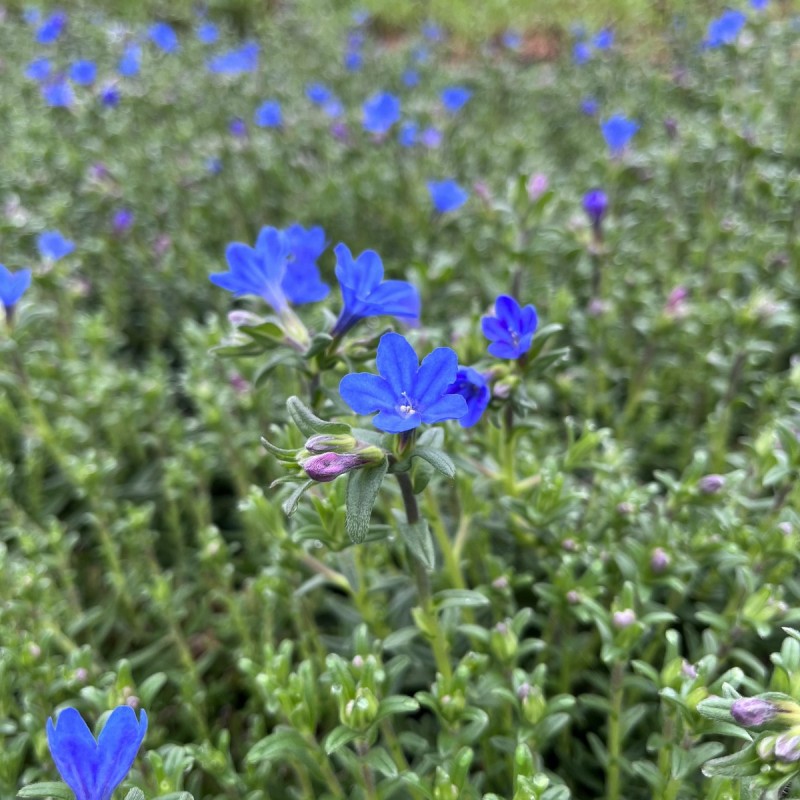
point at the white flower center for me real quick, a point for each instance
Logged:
(406, 409)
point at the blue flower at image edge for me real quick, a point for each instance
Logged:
(53, 246)
(447, 195)
(366, 294)
(381, 111)
(618, 131)
(406, 393)
(472, 386)
(13, 285)
(94, 768)
(511, 329)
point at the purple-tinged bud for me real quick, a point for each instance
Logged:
(624, 509)
(753, 712)
(659, 560)
(358, 661)
(340, 131)
(81, 674)
(237, 127)
(482, 190)
(524, 691)
(537, 185)
(785, 528)
(240, 317)
(624, 619)
(595, 204)
(597, 307)
(34, 649)
(573, 597)
(711, 484)
(326, 467)
(162, 244)
(122, 222)
(332, 443)
(132, 701)
(787, 747)
(500, 583)
(239, 384)
(688, 670)
(676, 302)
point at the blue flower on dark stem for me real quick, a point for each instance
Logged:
(83, 72)
(472, 386)
(268, 115)
(405, 393)
(447, 195)
(164, 37)
(12, 286)
(381, 111)
(129, 63)
(242, 59)
(454, 98)
(58, 93)
(207, 33)
(366, 294)
(53, 246)
(51, 28)
(595, 204)
(318, 93)
(618, 131)
(39, 69)
(94, 768)
(725, 29)
(511, 329)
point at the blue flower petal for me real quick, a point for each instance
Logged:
(508, 309)
(493, 329)
(366, 393)
(393, 422)
(393, 299)
(118, 744)
(503, 350)
(451, 406)
(397, 363)
(359, 275)
(437, 371)
(74, 752)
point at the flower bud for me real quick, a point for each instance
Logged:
(537, 185)
(326, 467)
(787, 746)
(752, 712)
(659, 560)
(595, 204)
(711, 484)
(332, 443)
(624, 619)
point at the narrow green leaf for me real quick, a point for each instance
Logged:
(268, 332)
(381, 762)
(420, 542)
(283, 743)
(289, 505)
(363, 486)
(308, 423)
(396, 704)
(52, 789)
(459, 598)
(135, 794)
(339, 737)
(438, 459)
(279, 452)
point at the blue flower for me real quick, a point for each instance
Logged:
(589, 106)
(408, 134)
(83, 72)
(595, 204)
(511, 329)
(366, 294)
(617, 131)
(53, 246)
(51, 28)
(214, 165)
(454, 98)
(237, 127)
(431, 138)
(472, 386)
(333, 107)
(164, 37)
(604, 39)
(318, 93)
(432, 31)
(268, 115)
(58, 94)
(581, 53)
(302, 283)
(725, 29)
(759, 5)
(12, 286)
(447, 195)
(207, 33)
(381, 111)
(405, 393)
(129, 63)
(31, 15)
(360, 17)
(353, 60)
(94, 768)
(242, 59)
(265, 271)
(39, 69)
(511, 39)
(411, 77)
(122, 221)
(110, 96)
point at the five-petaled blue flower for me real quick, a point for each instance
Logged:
(447, 195)
(366, 294)
(318, 93)
(83, 72)
(53, 246)
(39, 69)
(725, 29)
(268, 115)
(618, 131)
(406, 393)
(91, 767)
(472, 386)
(242, 59)
(129, 63)
(164, 37)
(454, 98)
(51, 28)
(511, 329)
(12, 286)
(381, 111)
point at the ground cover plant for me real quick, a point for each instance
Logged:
(389, 416)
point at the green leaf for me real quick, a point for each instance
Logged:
(268, 332)
(308, 423)
(438, 459)
(52, 789)
(279, 452)
(420, 542)
(459, 598)
(268, 367)
(289, 505)
(381, 762)
(150, 687)
(363, 486)
(135, 794)
(318, 344)
(396, 704)
(739, 765)
(283, 743)
(339, 737)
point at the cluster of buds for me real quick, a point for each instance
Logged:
(782, 717)
(327, 456)
(357, 686)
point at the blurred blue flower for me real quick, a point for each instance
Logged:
(759, 5)
(51, 28)
(618, 131)
(595, 204)
(411, 77)
(405, 393)
(12, 286)
(447, 195)
(421, 55)
(58, 94)
(408, 134)
(454, 98)
(268, 115)
(589, 106)
(214, 165)
(431, 138)
(129, 63)
(432, 31)
(511, 329)
(302, 283)
(472, 386)
(242, 59)
(381, 111)
(355, 40)
(604, 39)
(164, 37)
(581, 53)
(333, 107)
(53, 246)
(318, 93)
(366, 294)
(353, 60)
(83, 72)
(237, 127)
(122, 221)
(94, 768)
(31, 15)
(208, 33)
(39, 69)
(725, 29)
(511, 39)
(110, 96)
(360, 17)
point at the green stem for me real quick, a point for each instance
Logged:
(615, 731)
